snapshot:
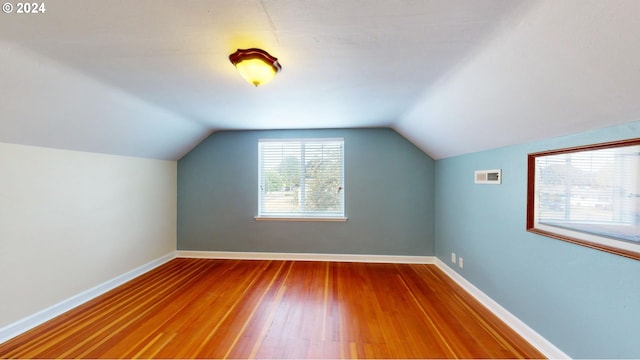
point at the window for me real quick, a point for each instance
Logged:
(588, 195)
(301, 179)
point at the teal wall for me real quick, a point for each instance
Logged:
(586, 302)
(389, 197)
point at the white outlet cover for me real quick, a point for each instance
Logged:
(453, 257)
(461, 262)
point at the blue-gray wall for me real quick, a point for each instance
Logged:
(585, 301)
(389, 197)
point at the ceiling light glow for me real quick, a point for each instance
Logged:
(256, 66)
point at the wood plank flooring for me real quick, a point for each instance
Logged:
(202, 308)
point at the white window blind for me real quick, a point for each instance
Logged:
(595, 192)
(301, 178)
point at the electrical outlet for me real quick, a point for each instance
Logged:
(461, 262)
(453, 257)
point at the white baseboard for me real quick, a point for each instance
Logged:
(398, 259)
(542, 344)
(20, 326)
(535, 339)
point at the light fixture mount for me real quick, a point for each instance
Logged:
(255, 65)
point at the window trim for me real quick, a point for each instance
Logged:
(610, 245)
(301, 218)
(310, 217)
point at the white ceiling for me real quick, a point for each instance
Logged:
(152, 78)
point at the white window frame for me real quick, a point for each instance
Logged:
(299, 216)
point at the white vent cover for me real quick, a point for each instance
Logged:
(488, 176)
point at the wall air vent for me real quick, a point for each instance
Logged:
(488, 177)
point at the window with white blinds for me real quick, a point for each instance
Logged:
(591, 194)
(301, 178)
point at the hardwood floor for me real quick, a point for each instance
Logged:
(198, 308)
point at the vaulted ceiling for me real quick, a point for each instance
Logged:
(152, 78)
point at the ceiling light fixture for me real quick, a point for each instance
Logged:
(255, 65)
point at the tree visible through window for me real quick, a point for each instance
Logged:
(301, 178)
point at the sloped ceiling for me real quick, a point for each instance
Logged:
(152, 78)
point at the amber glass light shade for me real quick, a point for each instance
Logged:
(256, 66)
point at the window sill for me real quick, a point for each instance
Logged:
(283, 218)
